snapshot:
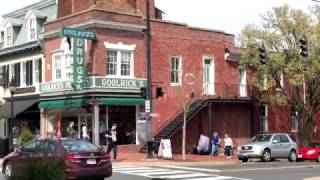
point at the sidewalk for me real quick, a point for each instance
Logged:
(126, 158)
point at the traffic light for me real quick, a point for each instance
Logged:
(143, 92)
(159, 92)
(303, 46)
(262, 55)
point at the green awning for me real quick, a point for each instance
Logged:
(122, 101)
(65, 103)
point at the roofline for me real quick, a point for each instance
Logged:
(36, 5)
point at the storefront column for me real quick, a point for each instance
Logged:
(137, 119)
(58, 127)
(42, 123)
(95, 118)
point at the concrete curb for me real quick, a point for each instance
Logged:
(313, 178)
(182, 163)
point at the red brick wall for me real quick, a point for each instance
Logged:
(233, 119)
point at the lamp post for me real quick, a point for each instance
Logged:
(12, 88)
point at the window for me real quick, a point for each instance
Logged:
(119, 61)
(112, 62)
(125, 63)
(243, 82)
(30, 147)
(9, 36)
(279, 85)
(263, 118)
(37, 71)
(294, 120)
(264, 82)
(284, 139)
(32, 29)
(176, 71)
(276, 138)
(24, 74)
(57, 67)
(62, 66)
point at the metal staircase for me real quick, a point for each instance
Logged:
(167, 132)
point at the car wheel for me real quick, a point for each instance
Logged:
(266, 155)
(8, 170)
(318, 158)
(292, 156)
(244, 159)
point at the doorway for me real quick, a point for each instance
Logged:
(208, 76)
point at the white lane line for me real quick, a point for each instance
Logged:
(145, 171)
(190, 168)
(183, 176)
(213, 178)
(131, 168)
(150, 174)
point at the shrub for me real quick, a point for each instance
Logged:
(25, 136)
(40, 168)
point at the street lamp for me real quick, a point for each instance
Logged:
(12, 88)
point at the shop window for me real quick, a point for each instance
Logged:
(294, 121)
(61, 62)
(176, 71)
(4, 75)
(37, 72)
(263, 118)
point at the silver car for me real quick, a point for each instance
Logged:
(268, 147)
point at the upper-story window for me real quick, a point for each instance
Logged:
(176, 71)
(62, 62)
(32, 29)
(9, 35)
(120, 60)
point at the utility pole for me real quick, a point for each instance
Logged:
(149, 84)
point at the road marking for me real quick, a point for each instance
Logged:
(172, 172)
(195, 169)
(272, 168)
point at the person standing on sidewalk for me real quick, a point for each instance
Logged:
(215, 144)
(71, 133)
(111, 135)
(228, 144)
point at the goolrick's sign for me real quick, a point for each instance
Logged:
(78, 33)
(119, 83)
(79, 55)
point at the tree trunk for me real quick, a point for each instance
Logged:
(184, 136)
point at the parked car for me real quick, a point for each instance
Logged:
(269, 146)
(311, 152)
(81, 158)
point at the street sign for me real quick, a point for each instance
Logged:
(78, 33)
(143, 115)
(147, 106)
(154, 114)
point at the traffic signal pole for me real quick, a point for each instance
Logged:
(149, 84)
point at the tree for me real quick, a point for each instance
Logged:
(280, 31)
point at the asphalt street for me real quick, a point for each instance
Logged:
(278, 170)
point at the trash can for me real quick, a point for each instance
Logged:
(4, 146)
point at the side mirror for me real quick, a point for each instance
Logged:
(275, 141)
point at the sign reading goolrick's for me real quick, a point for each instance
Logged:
(79, 54)
(78, 33)
(119, 83)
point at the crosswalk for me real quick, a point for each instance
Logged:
(173, 172)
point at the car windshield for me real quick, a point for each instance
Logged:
(78, 145)
(314, 145)
(261, 138)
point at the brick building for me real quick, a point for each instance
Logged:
(193, 66)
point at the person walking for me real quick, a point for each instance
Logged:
(215, 144)
(85, 134)
(71, 133)
(228, 144)
(111, 135)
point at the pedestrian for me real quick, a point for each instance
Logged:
(71, 133)
(111, 135)
(228, 144)
(85, 134)
(215, 144)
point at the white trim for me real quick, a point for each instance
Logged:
(23, 66)
(6, 36)
(120, 46)
(179, 83)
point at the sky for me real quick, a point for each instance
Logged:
(226, 15)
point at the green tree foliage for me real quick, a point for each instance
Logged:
(25, 136)
(280, 31)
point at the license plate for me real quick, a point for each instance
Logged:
(91, 161)
(300, 156)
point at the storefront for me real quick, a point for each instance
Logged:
(95, 108)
